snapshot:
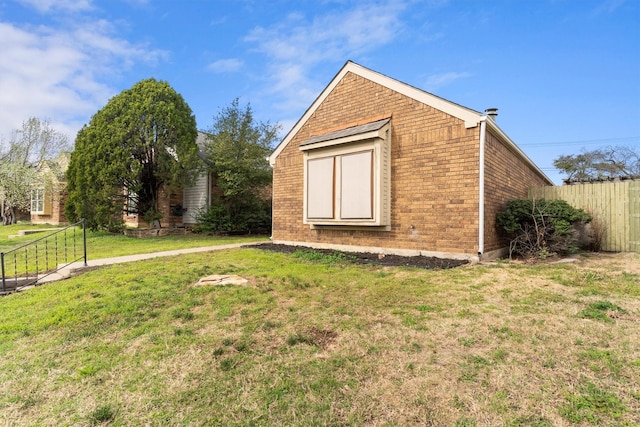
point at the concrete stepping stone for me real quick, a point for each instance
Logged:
(222, 279)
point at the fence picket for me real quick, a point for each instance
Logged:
(616, 204)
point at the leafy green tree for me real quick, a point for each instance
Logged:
(142, 140)
(22, 161)
(236, 152)
(602, 163)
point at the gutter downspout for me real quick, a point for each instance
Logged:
(483, 130)
(273, 191)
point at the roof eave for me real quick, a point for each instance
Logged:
(470, 117)
(491, 124)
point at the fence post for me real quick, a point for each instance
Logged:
(84, 240)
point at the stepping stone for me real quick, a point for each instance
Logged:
(222, 279)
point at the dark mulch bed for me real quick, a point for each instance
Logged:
(369, 258)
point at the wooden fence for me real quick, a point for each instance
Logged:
(616, 204)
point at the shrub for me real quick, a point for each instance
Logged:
(598, 234)
(251, 216)
(540, 228)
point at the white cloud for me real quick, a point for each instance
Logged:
(225, 65)
(60, 74)
(608, 7)
(298, 44)
(436, 81)
(45, 6)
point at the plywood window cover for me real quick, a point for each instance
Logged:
(356, 186)
(321, 183)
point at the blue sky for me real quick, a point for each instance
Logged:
(565, 74)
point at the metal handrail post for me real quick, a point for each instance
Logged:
(84, 240)
(4, 284)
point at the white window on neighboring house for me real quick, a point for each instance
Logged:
(131, 204)
(347, 177)
(40, 202)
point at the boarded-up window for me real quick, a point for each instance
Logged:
(356, 186)
(320, 187)
(347, 177)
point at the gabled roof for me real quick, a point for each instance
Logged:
(469, 116)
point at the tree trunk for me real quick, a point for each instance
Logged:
(8, 216)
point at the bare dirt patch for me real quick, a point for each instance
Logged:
(371, 258)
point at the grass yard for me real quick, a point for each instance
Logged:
(313, 342)
(105, 245)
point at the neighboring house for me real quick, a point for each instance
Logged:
(198, 197)
(375, 164)
(48, 198)
(179, 208)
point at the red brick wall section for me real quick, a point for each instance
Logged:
(434, 169)
(507, 177)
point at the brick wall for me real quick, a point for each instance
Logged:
(507, 177)
(434, 169)
(166, 201)
(57, 217)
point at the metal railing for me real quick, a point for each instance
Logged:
(27, 264)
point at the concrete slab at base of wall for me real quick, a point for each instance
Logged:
(388, 251)
(498, 253)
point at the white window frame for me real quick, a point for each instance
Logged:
(130, 205)
(39, 203)
(375, 144)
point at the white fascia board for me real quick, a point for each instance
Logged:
(307, 114)
(470, 117)
(491, 124)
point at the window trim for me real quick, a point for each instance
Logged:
(377, 142)
(40, 198)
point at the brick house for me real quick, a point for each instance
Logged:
(180, 207)
(377, 165)
(48, 198)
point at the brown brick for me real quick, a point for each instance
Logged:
(435, 174)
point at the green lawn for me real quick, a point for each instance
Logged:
(67, 246)
(105, 245)
(320, 342)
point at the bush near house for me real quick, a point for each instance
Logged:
(541, 228)
(250, 216)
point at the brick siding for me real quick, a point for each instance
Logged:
(57, 217)
(434, 169)
(166, 201)
(507, 177)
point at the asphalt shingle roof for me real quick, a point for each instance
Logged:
(350, 131)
